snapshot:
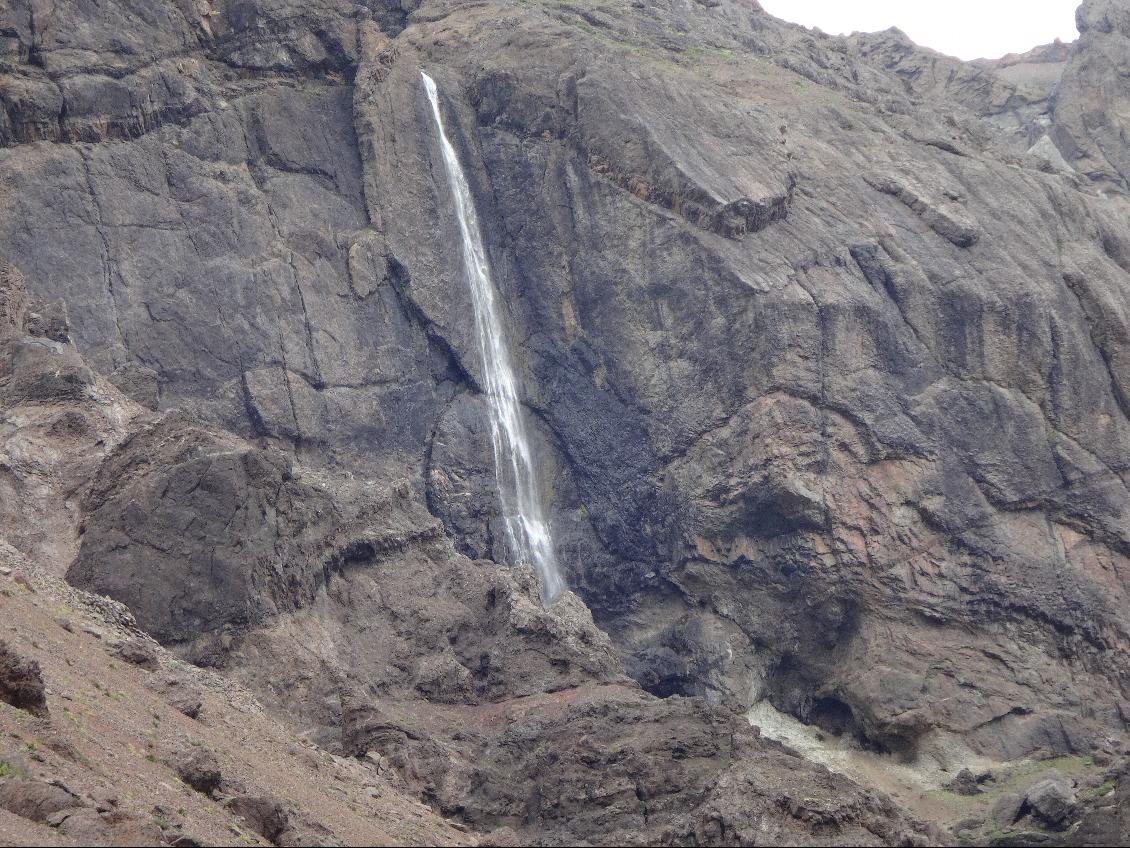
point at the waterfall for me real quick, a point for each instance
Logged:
(514, 466)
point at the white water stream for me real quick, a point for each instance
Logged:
(513, 457)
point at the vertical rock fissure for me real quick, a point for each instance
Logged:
(514, 464)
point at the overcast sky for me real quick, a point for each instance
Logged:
(968, 29)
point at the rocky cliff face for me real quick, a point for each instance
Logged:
(825, 344)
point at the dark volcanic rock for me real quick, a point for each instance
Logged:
(965, 783)
(265, 815)
(197, 767)
(747, 435)
(178, 692)
(85, 826)
(139, 653)
(825, 344)
(1104, 813)
(34, 799)
(613, 761)
(638, 771)
(271, 819)
(364, 728)
(1090, 115)
(1052, 799)
(21, 682)
(222, 525)
(1006, 810)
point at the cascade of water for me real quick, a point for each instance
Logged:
(513, 459)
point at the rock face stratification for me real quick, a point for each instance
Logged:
(824, 344)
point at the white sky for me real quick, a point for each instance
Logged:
(968, 29)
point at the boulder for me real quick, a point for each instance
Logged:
(36, 800)
(21, 682)
(138, 652)
(180, 693)
(965, 783)
(265, 815)
(198, 767)
(1051, 799)
(84, 825)
(221, 533)
(1006, 810)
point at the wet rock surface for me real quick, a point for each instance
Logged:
(825, 344)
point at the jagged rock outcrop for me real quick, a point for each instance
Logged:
(825, 343)
(223, 527)
(1089, 120)
(638, 771)
(845, 427)
(475, 692)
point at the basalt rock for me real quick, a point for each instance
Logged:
(197, 767)
(265, 815)
(825, 344)
(139, 653)
(179, 693)
(21, 682)
(1089, 118)
(35, 799)
(1052, 799)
